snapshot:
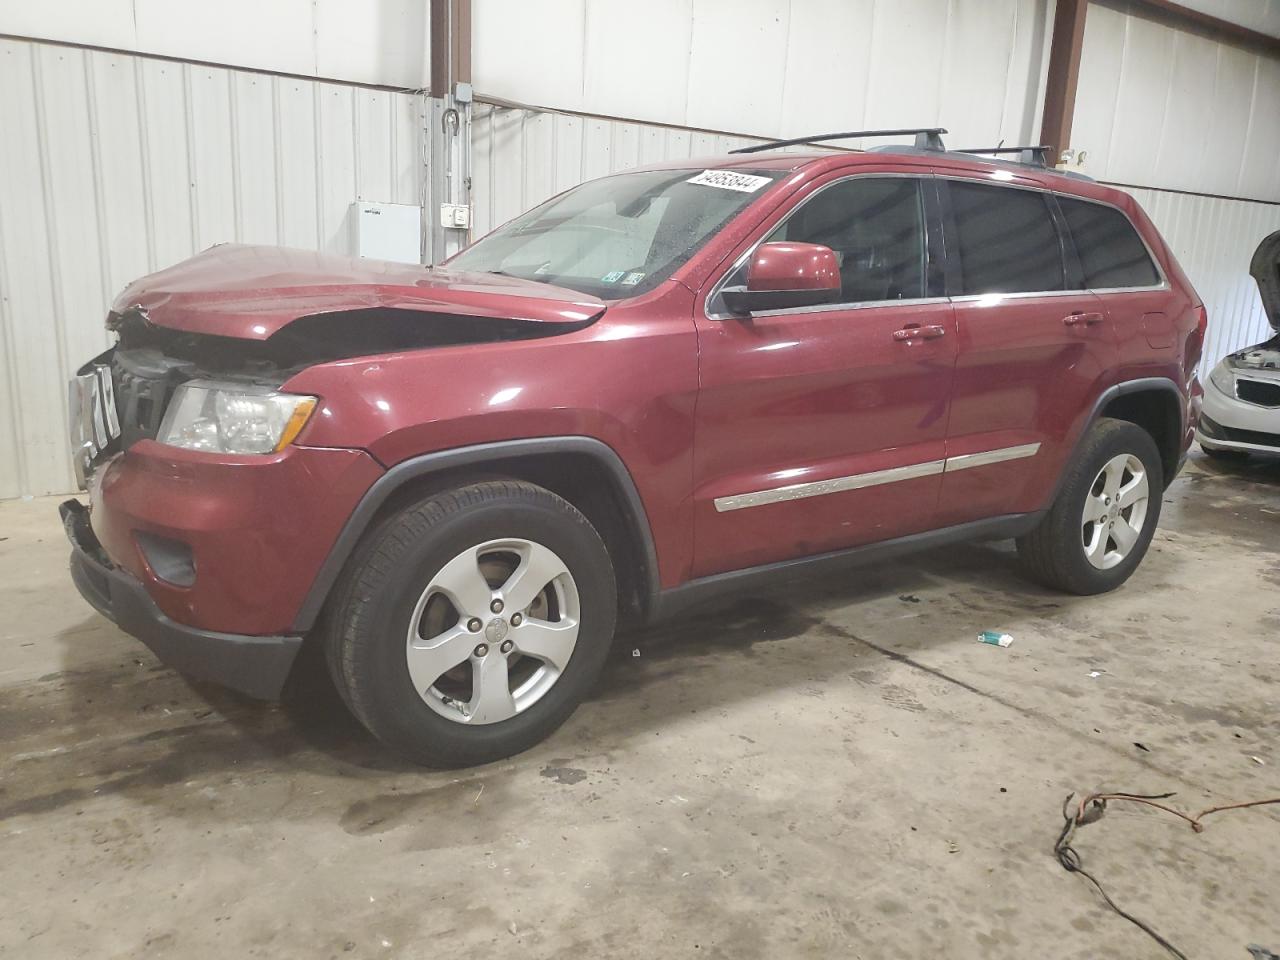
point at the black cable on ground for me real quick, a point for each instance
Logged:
(1091, 808)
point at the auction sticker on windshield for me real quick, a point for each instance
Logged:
(728, 180)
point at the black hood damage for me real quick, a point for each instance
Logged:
(150, 362)
(319, 338)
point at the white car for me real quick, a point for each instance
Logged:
(1241, 412)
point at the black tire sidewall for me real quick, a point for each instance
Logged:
(382, 692)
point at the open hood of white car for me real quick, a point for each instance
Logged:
(1265, 268)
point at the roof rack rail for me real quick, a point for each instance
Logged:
(927, 138)
(1036, 156)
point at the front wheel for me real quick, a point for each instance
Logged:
(1098, 529)
(471, 624)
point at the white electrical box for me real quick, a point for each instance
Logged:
(388, 231)
(455, 216)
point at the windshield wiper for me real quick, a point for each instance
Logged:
(517, 276)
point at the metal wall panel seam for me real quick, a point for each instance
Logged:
(148, 210)
(317, 151)
(237, 193)
(277, 141)
(95, 153)
(1248, 126)
(193, 196)
(51, 234)
(14, 411)
(355, 146)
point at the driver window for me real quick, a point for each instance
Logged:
(875, 226)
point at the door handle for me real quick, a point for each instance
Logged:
(913, 331)
(1085, 319)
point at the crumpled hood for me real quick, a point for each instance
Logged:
(250, 292)
(1265, 268)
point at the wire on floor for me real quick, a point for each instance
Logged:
(1091, 808)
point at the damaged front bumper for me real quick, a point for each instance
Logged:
(257, 666)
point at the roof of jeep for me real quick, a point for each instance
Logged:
(822, 161)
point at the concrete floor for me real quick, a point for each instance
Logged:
(828, 771)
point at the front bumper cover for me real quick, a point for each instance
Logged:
(256, 666)
(1229, 423)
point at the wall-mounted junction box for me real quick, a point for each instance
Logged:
(455, 216)
(387, 231)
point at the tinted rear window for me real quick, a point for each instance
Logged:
(1006, 241)
(1111, 252)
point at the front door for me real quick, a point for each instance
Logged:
(824, 427)
(1033, 353)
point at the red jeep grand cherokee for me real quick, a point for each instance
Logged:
(656, 387)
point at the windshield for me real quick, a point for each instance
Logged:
(616, 237)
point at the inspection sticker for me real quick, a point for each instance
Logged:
(728, 180)
(631, 279)
(613, 276)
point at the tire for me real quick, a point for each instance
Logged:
(1070, 552)
(405, 608)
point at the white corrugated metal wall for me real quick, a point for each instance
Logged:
(112, 166)
(774, 67)
(1169, 108)
(523, 156)
(1214, 240)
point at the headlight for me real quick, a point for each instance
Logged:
(1223, 379)
(233, 418)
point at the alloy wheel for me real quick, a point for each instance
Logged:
(493, 631)
(1115, 511)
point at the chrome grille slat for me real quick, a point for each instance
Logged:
(95, 421)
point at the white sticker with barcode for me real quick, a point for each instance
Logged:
(729, 180)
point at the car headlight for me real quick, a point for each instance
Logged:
(1223, 379)
(233, 418)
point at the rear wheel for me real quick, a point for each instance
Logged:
(1098, 530)
(473, 623)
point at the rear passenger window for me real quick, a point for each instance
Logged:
(1006, 241)
(875, 225)
(1110, 250)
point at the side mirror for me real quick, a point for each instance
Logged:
(784, 275)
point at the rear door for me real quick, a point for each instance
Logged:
(1034, 349)
(824, 427)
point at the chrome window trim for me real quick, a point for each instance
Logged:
(858, 481)
(838, 307)
(1001, 184)
(822, 307)
(1163, 285)
(1020, 295)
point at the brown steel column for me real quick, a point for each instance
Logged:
(450, 45)
(1063, 74)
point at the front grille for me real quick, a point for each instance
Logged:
(1261, 392)
(94, 421)
(117, 399)
(145, 380)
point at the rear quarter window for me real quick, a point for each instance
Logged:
(1111, 252)
(1006, 240)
